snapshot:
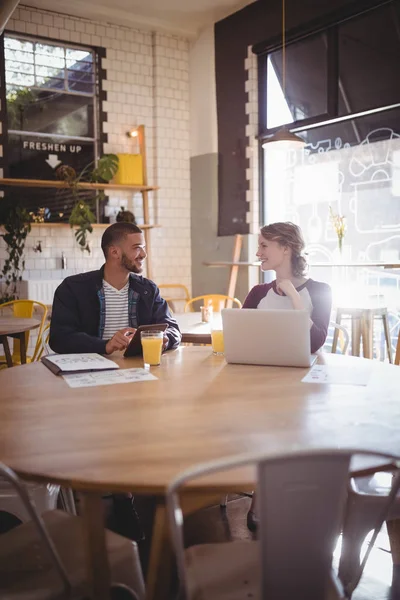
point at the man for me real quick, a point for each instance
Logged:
(100, 310)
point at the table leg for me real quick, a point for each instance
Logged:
(96, 553)
(367, 324)
(4, 341)
(22, 343)
(386, 329)
(160, 564)
(355, 335)
(393, 528)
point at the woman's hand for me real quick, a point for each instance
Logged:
(285, 286)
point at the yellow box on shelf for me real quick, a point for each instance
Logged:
(130, 169)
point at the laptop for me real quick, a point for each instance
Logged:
(267, 337)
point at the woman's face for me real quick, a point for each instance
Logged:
(271, 254)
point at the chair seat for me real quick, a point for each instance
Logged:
(231, 571)
(27, 572)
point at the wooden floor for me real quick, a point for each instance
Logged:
(216, 525)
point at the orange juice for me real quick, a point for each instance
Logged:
(152, 348)
(217, 341)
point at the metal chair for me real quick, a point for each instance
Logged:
(301, 499)
(217, 301)
(25, 309)
(45, 346)
(342, 336)
(44, 558)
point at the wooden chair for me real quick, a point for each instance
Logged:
(301, 497)
(44, 559)
(170, 293)
(25, 309)
(218, 302)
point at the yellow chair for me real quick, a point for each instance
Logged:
(24, 309)
(217, 301)
(171, 294)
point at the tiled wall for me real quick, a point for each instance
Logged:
(147, 82)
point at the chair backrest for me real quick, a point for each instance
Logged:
(25, 309)
(344, 338)
(301, 499)
(217, 301)
(175, 294)
(47, 542)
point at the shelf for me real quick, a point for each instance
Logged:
(94, 225)
(226, 263)
(82, 186)
(258, 264)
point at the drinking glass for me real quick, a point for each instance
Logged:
(217, 341)
(152, 343)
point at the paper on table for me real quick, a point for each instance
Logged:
(108, 377)
(62, 363)
(358, 375)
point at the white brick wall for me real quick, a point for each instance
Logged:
(252, 174)
(147, 83)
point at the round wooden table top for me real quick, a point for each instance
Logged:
(14, 325)
(138, 436)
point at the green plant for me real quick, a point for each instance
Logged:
(82, 216)
(16, 224)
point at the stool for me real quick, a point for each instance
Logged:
(362, 325)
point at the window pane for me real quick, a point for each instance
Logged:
(369, 52)
(50, 51)
(358, 175)
(49, 112)
(305, 95)
(50, 61)
(79, 81)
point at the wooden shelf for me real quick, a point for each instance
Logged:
(258, 264)
(94, 225)
(226, 263)
(82, 186)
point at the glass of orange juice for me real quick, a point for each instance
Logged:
(152, 343)
(217, 341)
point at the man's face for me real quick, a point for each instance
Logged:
(132, 252)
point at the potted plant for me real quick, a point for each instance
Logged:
(82, 216)
(16, 224)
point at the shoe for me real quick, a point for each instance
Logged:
(252, 521)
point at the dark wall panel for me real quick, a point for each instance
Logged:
(256, 23)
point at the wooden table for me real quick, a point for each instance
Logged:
(137, 437)
(194, 331)
(16, 327)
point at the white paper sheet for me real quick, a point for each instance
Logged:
(357, 375)
(81, 362)
(108, 377)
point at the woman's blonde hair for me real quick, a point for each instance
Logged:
(288, 234)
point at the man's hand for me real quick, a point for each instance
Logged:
(120, 340)
(165, 342)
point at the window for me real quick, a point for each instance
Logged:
(351, 161)
(52, 117)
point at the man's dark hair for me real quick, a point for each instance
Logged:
(115, 233)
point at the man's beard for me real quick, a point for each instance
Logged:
(129, 265)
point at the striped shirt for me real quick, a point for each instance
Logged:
(117, 314)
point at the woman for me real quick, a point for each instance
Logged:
(280, 249)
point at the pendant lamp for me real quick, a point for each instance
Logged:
(283, 138)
